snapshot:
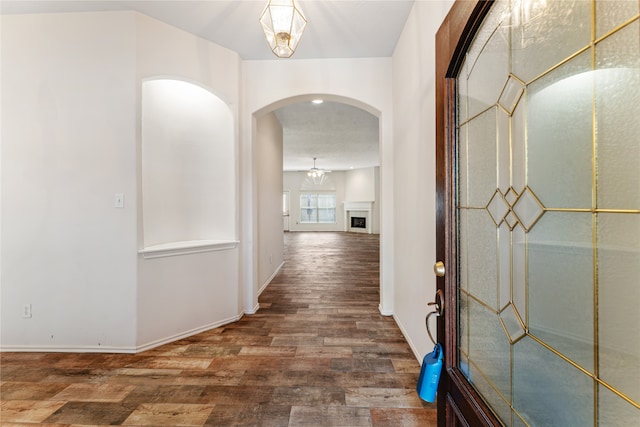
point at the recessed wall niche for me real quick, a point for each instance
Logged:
(188, 169)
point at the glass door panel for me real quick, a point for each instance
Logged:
(548, 391)
(546, 32)
(619, 293)
(548, 212)
(560, 280)
(559, 134)
(617, 108)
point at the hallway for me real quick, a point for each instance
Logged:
(317, 353)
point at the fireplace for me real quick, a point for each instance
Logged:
(358, 222)
(357, 217)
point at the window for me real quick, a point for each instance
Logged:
(285, 203)
(318, 208)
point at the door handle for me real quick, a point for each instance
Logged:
(439, 310)
(438, 269)
(439, 303)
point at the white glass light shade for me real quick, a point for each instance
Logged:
(283, 23)
(316, 176)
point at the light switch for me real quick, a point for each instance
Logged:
(118, 201)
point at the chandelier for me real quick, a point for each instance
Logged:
(316, 175)
(283, 23)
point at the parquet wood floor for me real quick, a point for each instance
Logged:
(317, 353)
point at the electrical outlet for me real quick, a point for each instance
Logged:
(26, 311)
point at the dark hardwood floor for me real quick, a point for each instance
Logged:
(317, 353)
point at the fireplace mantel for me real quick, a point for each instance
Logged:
(358, 207)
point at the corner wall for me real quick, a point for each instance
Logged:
(185, 294)
(68, 146)
(71, 141)
(270, 235)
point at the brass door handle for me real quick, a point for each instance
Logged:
(438, 269)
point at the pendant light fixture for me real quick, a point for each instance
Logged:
(283, 23)
(316, 175)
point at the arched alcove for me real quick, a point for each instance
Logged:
(188, 162)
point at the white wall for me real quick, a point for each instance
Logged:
(363, 82)
(360, 185)
(71, 86)
(353, 186)
(71, 140)
(188, 161)
(270, 236)
(298, 182)
(414, 159)
(68, 145)
(185, 294)
(363, 185)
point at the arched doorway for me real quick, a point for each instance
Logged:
(267, 190)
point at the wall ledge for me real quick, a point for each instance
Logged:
(187, 247)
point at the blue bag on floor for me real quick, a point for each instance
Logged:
(430, 374)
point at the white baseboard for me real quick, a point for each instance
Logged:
(66, 349)
(108, 349)
(266, 282)
(195, 331)
(414, 349)
(254, 310)
(383, 312)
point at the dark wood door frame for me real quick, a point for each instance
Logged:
(458, 402)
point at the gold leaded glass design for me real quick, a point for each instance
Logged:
(548, 212)
(511, 196)
(511, 219)
(511, 94)
(498, 208)
(528, 209)
(512, 323)
(524, 209)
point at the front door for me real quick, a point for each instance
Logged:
(538, 149)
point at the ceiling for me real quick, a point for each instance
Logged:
(340, 136)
